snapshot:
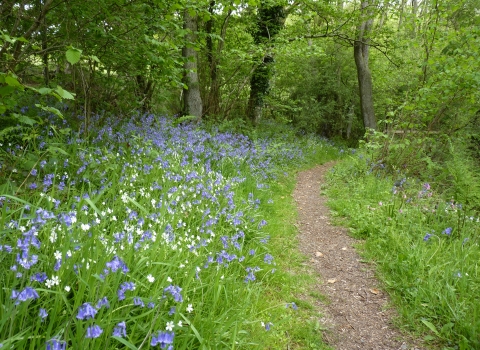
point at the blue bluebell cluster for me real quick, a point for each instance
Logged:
(174, 197)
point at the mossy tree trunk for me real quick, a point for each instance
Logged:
(270, 21)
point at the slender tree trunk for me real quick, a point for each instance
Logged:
(414, 16)
(46, 72)
(361, 54)
(191, 95)
(384, 14)
(401, 15)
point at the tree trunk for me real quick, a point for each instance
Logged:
(361, 53)
(145, 91)
(191, 94)
(270, 21)
(384, 14)
(259, 85)
(414, 16)
(401, 14)
(46, 72)
(213, 97)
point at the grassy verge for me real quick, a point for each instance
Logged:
(425, 248)
(151, 234)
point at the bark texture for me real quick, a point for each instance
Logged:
(191, 95)
(361, 49)
(212, 105)
(270, 21)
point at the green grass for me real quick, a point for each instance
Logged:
(294, 282)
(425, 248)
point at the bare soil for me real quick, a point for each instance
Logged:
(357, 313)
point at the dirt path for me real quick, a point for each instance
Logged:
(355, 313)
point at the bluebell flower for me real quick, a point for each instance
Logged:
(26, 260)
(117, 264)
(138, 302)
(54, 344)
(120, 330)
(57, 265)
(39, 277)
(427, 237)
(250, 277)
(172, 311)
(123, 288)
(447, 231)
(265, 240)
(93, 332)
(6, 248)
(103, 302)
(43, 313)
(163, 339)
(175, 292)
(86, 311)
(267, 325)
(26, 294)
(268, 258)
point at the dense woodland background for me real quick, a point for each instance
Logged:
(126, 120)
(407, 69)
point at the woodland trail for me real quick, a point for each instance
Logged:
(355, 314)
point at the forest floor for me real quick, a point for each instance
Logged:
(356, 312)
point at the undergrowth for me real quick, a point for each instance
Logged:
(423, 236)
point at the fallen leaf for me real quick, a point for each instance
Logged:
(344, 248)
(317, 254)
(374, 291)
(332, 280)
(313, 261)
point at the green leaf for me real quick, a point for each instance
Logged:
(64, 93)
(73, 55)
(53, 150)
(44, 90)
(95, 58)
(13, 81)
(6, 90)
(19, 200)
(94, 207)
(50, 109)
(6, 37)
(431, 326)
(125, 342)
(447, 328)
(24, 119)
